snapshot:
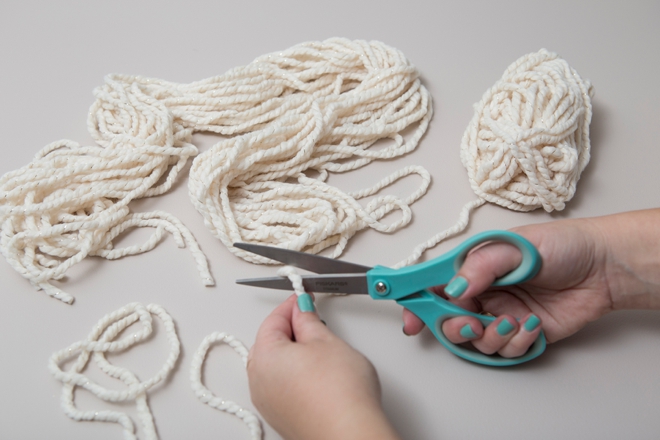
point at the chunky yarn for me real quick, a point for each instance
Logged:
(528, 141)
(290, 118)
(206, 396)
(318, 107)
(102, 341)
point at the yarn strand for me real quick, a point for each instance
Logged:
(101, 341)
(206, 396)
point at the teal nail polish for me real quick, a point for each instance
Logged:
(305, 303)
(456, 287)
(504, 327)
(532, 323)
(467, 332)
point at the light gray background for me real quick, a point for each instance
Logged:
(601, 383)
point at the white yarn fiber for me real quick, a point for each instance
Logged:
(528, 141)
(101, 341)
(205, 395)
(294, 116)
(291, 118)
(318, 107)
(296, 279)
(71, 201)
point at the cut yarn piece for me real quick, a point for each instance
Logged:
(102, 341)
(312, 109)
(205, 395)
(528, 141)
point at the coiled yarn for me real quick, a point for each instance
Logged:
(318, 107)
(528, 141)
(102, 341)
(291, 117)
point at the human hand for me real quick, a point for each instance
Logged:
(570, 290)
(308, 383)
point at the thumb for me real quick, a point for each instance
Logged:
(306, 324)
(481, 268)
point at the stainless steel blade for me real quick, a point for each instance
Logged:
(342, 283)
(303, 260)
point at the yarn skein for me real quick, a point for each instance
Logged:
(528, 141)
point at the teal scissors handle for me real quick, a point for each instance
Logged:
(408, 287)
(434, 310)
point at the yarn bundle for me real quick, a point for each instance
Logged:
(528, 141)
(290, 118)
(322, 106)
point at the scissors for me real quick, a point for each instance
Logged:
(407, 286)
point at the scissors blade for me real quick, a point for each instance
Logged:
(336, 283)
(310, 262)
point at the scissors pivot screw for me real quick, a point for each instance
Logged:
(381, 288)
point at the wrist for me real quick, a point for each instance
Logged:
(362, 423)
(631, 250)
(352, 422)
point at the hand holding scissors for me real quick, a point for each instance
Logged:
(407, 286)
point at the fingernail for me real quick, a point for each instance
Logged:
(456, 287)
(467, 332)
(532, 323)
(305, 303)
(504, 327)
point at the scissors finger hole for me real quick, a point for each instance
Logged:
(526, 270)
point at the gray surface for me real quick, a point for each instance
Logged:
(601, 383)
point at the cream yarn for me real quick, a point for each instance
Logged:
(294, 116)
(291, 118)
(319, 108)
(528, 141)
(71, 201)
(101, 341)
(205, 395)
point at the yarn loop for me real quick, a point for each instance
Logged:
(102, 341)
